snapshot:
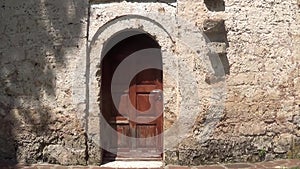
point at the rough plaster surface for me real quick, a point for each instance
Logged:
(262, 102)
(40, 45)
(50, 80)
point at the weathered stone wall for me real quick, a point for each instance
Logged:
(40, 45)
(231, 77)
(261, 115)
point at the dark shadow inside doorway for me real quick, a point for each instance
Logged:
(114, 53)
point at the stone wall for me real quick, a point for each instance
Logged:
(41, 43)
(231, 77)
(260, 119)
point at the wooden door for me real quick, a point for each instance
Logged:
(136, 113)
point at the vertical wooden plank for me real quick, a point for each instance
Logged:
(132, 114)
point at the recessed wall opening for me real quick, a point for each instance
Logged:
(132, 106)
(216, 34)
(215, 5)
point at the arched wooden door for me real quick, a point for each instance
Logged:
(133, 110)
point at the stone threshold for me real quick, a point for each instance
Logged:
(133, 164)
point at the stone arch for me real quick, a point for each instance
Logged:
(101, 42)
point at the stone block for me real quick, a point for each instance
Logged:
(171, 157)
(62, 155)
(282, 143)
(252, 128)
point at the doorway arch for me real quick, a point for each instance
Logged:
(131, 106)
(102, 40)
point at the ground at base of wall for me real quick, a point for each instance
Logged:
(277, 164)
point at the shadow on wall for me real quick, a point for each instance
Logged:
(34, 37)
(216, 34)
